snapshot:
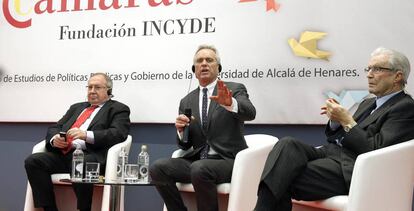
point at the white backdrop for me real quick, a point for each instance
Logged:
(249, 39)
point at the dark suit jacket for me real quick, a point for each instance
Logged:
(390, 124)
(225, 129)
(110, 126)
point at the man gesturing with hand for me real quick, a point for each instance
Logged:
(215, 136)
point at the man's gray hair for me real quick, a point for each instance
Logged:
(109, 83)
(397, 61)
(210, 47)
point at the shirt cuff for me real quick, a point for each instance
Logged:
(79, 142)
(334, 125)
(51, 140)
(234, 107)
(180, 135)
(90, 137)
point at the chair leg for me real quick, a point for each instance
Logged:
(29, 203)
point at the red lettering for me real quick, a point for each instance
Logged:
(115, 5)
(43, 6)
(90, 5)
(77, 6)
(13, 21)
(131, 3)
(49, 7)
(152, 3)
(63, 6)
(184, 3)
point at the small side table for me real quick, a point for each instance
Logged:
(115, 190)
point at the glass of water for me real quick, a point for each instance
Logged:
(92, 171)
(131, 173)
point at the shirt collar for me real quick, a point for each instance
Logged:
(381, 100)
(100, 105)
(210, 87)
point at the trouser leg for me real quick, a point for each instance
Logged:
(267, 202)
(205, 175)
(39, 167)
(265, 199)
(285, 162)
(321, 179)
(164, 174)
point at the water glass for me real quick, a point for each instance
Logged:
(92, 171)
(131, 173)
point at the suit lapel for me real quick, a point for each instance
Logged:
(212, 108)
(363, 109)
(381, 110)
(195, 108)
(100, 113)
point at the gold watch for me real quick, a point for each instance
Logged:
(348, 127)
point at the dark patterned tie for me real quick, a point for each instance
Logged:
(367, 112)
(206, 147)
(204, 109)
(204, 151)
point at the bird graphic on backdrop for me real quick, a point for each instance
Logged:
(307, 45)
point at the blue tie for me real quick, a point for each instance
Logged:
(206, 147)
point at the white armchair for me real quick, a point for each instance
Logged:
(65, 193)
(241, 193)
(383, 180)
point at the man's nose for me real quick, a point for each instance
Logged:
(370, 74)
(204, 62)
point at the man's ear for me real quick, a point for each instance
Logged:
(399, 77)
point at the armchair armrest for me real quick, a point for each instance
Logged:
(383, 179)
(180, 152)
(112, 158)
(39, 147)
(247, 170)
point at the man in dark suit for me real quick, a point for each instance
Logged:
(107, 125)
(296, 170)
(215, 135)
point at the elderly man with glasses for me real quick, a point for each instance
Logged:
(95, 126)
(296, 170)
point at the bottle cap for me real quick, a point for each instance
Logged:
(144, 148)
(77, 145)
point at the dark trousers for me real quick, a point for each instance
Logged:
(296, 170)
(40, 166)
(203, 174)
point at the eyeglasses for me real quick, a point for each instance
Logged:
(97, 88)
(377, 69)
